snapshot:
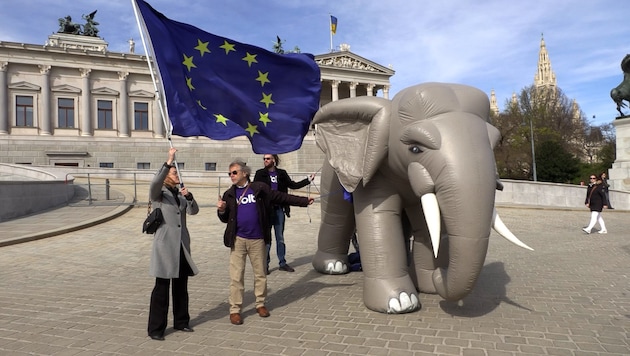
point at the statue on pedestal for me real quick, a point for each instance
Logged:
(622, 91)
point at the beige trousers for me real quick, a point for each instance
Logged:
(257, 252)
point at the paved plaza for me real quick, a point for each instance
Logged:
(86, 292)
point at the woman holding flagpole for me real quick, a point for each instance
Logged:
(170, 256)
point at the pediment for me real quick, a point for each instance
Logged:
(349, 60)
(141, 94)
(105, 91)
(65, 88)
(25, 86)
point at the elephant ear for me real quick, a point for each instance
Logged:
(354, 134)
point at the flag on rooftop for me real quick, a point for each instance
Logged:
(219, 88)
(333, 24)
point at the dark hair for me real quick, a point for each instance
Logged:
(276, 159)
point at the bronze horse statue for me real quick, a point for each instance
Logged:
(622, 91)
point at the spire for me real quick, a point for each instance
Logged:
(544, 75)
(493, 103)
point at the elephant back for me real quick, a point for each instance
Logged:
(429, 100)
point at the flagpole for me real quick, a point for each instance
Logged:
(168, 126)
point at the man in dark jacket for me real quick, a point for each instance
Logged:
(244, 207)
(278, 179)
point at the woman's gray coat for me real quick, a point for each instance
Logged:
(173, 233)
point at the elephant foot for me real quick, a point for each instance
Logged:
(391, 296)
(328, 263)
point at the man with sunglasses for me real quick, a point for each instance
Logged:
(278, 179)
(245, 207)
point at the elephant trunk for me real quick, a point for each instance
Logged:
(465, 192)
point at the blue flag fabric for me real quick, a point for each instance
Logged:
(220, 88)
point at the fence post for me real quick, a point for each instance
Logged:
(107, 189)
(89, 190)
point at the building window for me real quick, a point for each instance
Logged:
(180, 165)
(105, 114)
(141, 116)
(106, 165)
(144, 165)
(24, 111)
(211, 166)
(65, 113)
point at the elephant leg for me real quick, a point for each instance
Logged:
(336, 228)
(387, 285)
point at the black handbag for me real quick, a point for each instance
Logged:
(153, 221)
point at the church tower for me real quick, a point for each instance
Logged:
(545, 77)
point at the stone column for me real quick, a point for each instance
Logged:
(353, 89)
(123, 129)
(386, 91)
(4, 99)
(619, 175)
(46, 122)
(370, 90)
(158, 125)
(86, 116)
(335, 89)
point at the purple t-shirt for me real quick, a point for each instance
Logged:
(247, 224)
(274, 180)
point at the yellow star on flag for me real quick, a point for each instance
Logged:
(250, 58)
(202, 47)
(267, 100)
(262, 78)
(227, 47)
(264, 118)
(252, 129)
(189, 84)
(222, 119)
(188, 62)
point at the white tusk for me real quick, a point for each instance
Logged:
(499, 227)
(432, 216)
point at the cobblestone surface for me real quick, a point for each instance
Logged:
(86, 292)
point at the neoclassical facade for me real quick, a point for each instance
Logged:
(71, 102)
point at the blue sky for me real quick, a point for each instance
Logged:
(489, 44)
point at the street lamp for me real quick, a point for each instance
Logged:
(531, 133)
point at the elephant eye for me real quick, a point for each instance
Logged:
(415, 149)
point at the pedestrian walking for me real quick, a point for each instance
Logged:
(596, 202)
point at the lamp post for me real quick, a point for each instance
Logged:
(531, 133)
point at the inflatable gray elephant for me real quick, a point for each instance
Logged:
(419, 166)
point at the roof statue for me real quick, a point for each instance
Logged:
(622, 91)
(67, 26)
(89, 29)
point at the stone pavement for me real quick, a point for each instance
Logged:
(86, 292)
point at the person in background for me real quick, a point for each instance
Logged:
(278, 179)
(170, 257)
(605, 185)
(596, 201)
(245, 207)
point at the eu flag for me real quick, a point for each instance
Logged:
(219, 88)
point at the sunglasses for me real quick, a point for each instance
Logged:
(233, 173)
(593, 178)
(268, 158)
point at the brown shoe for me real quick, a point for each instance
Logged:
(263, 312)
(235, 318)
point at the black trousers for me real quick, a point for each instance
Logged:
(158, 309)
